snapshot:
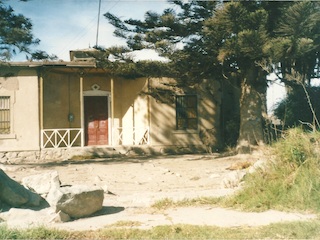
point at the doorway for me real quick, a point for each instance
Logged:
(96, 109)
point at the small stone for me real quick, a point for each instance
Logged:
(259, 165)
(165, 170)
(61, 217)
(233, 179)
(214, 175)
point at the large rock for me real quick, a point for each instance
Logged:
(15, 195)
(233, 179)
(54, 195)
(42, 183)
(78, 201)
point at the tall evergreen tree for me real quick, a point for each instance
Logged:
(239, 31)
(220, 40)
(295, 47)
(295, 51)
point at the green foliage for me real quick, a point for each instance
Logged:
(42, 55)
(240, 30)
(15, 32)
(16, 35)
(295, 47)
(291, 181)
(295, 109)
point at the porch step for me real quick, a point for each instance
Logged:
(78, 153)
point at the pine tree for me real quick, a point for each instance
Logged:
(296, 50)
(239, 31)
(227, 41)
(296, 45)
(16, 35)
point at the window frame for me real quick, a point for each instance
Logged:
(185, 110)
(11, 97)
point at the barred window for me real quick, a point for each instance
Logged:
(4, 115)
(186, 112)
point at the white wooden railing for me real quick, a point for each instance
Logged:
(60, 138)
(140, 136)
(73, 137)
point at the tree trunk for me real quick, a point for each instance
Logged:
(252, 109)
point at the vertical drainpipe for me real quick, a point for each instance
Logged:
(41, 106)
(69, 101)
(112, 110)
(81, 109)
(149, 110)
(133, 124)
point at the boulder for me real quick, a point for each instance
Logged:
(260, 165)
(233, 179)
(42, 183)
(54, 195)
(16, 195)
(60, 217)
(21, 218)
(78, 201)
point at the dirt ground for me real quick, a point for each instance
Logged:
(132, 184)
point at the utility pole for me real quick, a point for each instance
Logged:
(97, 36)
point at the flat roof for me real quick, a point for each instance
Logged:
(80, 64)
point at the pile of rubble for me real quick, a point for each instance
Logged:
(43, 191)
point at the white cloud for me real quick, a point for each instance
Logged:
(147, 54)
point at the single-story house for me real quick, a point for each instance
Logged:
(59, 109)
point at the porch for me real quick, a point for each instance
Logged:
(90, 108)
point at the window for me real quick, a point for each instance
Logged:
(4, 115)
(186, 112)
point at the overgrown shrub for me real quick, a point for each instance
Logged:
(295, 107)
(291, 180)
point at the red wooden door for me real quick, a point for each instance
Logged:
(96, 120)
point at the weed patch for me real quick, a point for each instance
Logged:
(167, 203)
(33, 233)
(295, 230)
(291, 180)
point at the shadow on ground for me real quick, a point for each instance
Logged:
(111, 160)
(106, 210)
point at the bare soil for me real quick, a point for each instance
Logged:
(132, 184)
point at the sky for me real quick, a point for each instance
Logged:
(64, 25)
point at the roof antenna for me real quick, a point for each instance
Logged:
(97, 36)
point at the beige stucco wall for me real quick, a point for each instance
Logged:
(133, 108)
(163, 127)
(61, 96)
(25, 105)
(136, 111)
(163, 115)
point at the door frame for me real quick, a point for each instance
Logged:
(98, 93)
